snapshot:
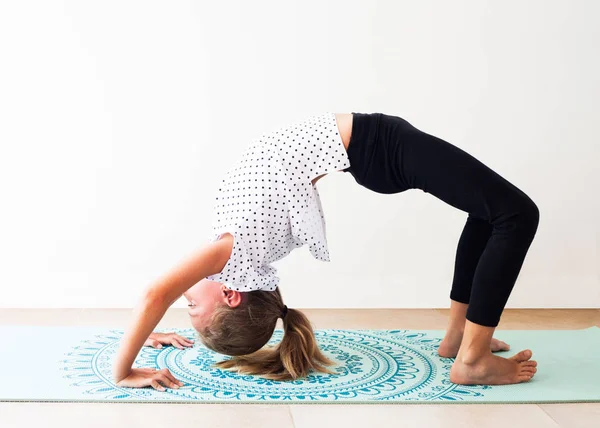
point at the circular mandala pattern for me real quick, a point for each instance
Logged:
(370, 365)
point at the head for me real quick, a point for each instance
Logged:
(240, 324)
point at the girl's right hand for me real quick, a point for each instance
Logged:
(157, 379)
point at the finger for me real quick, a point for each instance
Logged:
(155, 343)
(187, 341)
(166, 381)
(176, 344)
(154, 384)
(184, 339)
(170, 376)
(183, 343)
(167, 373)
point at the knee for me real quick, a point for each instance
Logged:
(529, 217)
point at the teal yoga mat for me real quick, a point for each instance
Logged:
(373, 366)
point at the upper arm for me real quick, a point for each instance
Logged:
(223, 248)
(208, 260)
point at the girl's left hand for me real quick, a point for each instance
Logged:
(157, 340)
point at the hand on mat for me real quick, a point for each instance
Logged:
(157, 340)
(157, 379)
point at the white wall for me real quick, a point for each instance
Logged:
(118, 118)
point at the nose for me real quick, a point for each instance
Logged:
(186, 295)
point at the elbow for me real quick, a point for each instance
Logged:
(153, 297)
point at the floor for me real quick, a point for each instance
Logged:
(102, 415)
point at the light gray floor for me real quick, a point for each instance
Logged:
(104, 415)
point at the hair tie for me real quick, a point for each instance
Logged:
(284, 311)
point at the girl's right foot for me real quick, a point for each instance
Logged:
(488, 369)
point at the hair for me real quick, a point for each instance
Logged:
(243, 331)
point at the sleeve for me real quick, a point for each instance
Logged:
(308, 224)
(244, 270)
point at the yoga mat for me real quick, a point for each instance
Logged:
(373, 366)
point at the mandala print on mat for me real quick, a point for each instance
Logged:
(371, 365)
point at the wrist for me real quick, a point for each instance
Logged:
(121, 368)
(120, 374)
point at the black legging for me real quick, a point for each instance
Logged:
(389, 155)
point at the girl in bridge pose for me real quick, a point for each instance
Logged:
(268, 205)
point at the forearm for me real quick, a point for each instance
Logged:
(204, 262)
(146, 317)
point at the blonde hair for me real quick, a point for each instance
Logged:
(241, 332)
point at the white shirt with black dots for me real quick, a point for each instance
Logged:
(268, 203)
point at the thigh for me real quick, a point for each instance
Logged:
(449, 173)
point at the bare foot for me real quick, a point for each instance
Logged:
(451, 344)
(490, 369)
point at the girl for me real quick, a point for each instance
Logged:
(268, 205)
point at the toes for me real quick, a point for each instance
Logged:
(498, 345)
(522, 356)
(524, 378)
(503, 346)
(526, 373)
(525, 370)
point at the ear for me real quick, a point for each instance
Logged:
(232, 298)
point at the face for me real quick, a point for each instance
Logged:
(204, 296)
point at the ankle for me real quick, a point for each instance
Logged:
(471, 356)
(456, 330)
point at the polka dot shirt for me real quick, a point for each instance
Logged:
(268, 203)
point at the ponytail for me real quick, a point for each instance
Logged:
(243, 331)
(298, 349)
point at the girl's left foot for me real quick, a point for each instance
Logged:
(451, 343)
